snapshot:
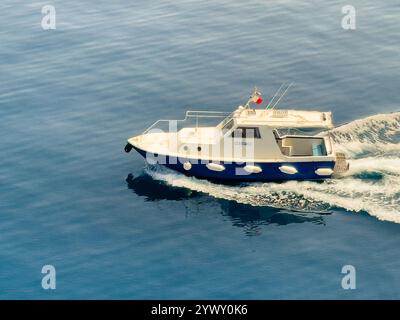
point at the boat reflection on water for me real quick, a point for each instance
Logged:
(153, 190)
(249, 218)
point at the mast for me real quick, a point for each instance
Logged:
(255, 95)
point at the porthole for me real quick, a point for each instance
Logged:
(198, 148)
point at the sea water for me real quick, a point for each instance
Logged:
(114, 227)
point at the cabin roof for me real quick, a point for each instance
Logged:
(282, 118)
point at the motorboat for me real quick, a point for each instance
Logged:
(248, 144)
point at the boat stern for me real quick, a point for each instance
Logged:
(341, 164)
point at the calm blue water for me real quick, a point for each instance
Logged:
(113, 228)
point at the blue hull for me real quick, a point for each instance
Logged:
(270, 170)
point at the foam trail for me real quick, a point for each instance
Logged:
(372, 185)
(389, 166)
(379, 134)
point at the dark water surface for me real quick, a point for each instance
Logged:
(70, 196)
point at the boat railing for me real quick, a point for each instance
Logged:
(193, 117)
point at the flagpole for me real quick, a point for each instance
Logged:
(256, 92)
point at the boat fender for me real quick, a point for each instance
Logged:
(324, 171)
(215, 166)
(128, 148)
(187, 166)
(288, 169)
(252, 169)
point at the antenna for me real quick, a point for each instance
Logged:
(273, 98)
(284, 92)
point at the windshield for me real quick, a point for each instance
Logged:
(299, 132)
(228, 126)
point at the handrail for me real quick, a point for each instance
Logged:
(161, 120)
(192, 114)
(206, 114)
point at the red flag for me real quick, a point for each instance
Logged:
(256, 98)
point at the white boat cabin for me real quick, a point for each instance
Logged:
(257, 135)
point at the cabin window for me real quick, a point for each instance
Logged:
(246, 132)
